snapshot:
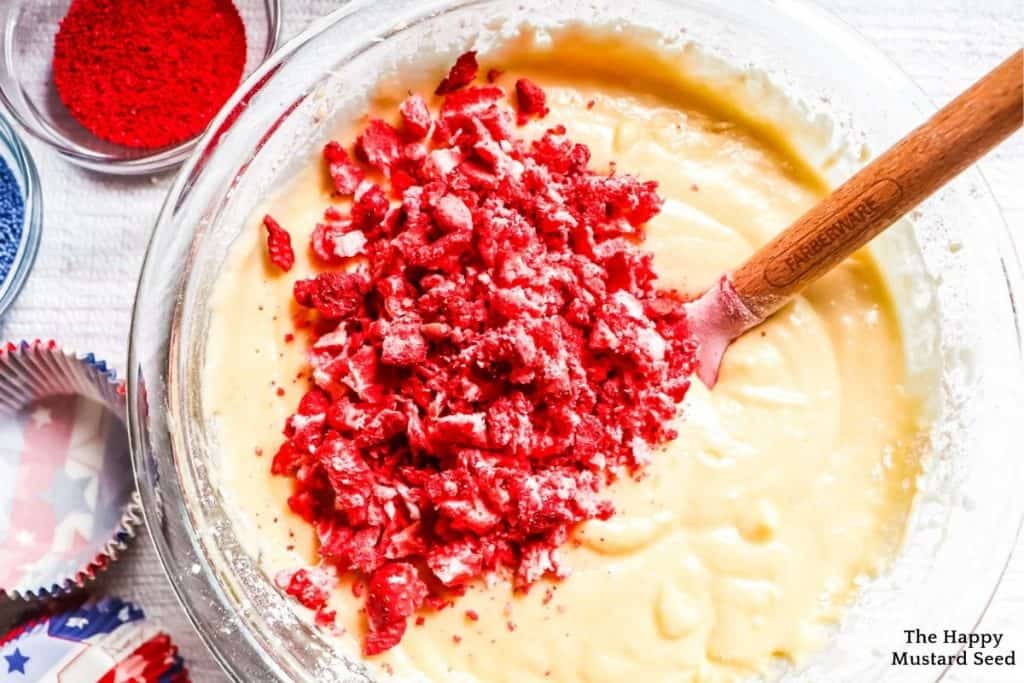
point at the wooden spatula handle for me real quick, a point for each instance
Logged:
(884, 190)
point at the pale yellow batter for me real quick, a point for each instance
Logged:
(788, 483)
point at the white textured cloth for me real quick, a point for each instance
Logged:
(96, 230)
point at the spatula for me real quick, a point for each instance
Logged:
(862, 207)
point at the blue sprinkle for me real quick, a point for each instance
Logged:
(12, 219)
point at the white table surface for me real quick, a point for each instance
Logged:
(96, 231)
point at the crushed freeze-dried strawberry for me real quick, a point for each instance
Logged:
(471, 109)
(462, 73)
(345, 174)
(333, 295)
(531, 99)
(279, 244)
(325, 617)
(369, 208)
(488, 351)
(452, 215)
(395, 593)
(333, 243)
(310, 587)
(415, 117)
(379, 145)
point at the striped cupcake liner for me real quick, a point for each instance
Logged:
(104, 640)
(68, 504)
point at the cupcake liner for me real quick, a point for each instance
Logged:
(68, 504)
(102, 640)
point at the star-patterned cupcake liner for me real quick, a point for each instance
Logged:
(68, 504)
(98, 641)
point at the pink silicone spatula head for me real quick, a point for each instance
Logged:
(865, 205)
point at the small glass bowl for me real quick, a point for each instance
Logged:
(26, 84)
(17, 158)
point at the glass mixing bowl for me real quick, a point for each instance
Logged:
(952, 270)
(27, 90)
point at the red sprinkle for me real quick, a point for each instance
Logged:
(279, 244)
(472, 615)
(493, 75)
(462, 73)
(492, 358)
(148, 74)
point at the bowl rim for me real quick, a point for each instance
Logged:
(847, 39)
(158, 161)
(27, 173)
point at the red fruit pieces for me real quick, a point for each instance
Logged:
(279, 244)
(314, 402)
(334, 243)
(415, 117)
(461, 429)
(333, 295)
(287, 460)
(310, 587)
(345, 174)
(370, 206)
(452, 215)
(395, 593)
(303, 290)
(456, 563)
(379, 145)
(465, 108)
(488, 354)
(461, 74)
(531, 99)
(403, 345)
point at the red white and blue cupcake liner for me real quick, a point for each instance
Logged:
(101, 641)
(68, 504)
